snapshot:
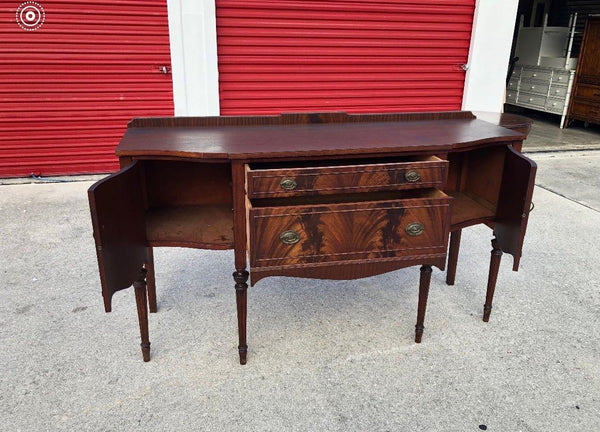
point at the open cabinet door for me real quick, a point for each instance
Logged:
(514, 203)
(117, 208)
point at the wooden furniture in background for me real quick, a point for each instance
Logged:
(325, 195)
(585, 100)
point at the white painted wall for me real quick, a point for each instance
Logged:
(491, 41)
(193, 39)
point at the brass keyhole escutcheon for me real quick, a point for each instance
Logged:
(415, 229)
(412, 176)
(289, 237)
(288, 184)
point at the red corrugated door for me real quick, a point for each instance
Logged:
(356, 56)
(68, 88)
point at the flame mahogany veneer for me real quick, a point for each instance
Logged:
(316, 195)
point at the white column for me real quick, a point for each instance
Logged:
(491, 41)
(193, 39)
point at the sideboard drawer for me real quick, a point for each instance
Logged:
(391, 225)
(413, 173)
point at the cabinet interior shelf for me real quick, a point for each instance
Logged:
(208, 226)
(469, 210)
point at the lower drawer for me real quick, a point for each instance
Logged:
(583, 111)
(555, 105)
(532, 100)
(389, 225)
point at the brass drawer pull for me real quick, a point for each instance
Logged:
(288, 184)
(289, 237)
(415, 229)
(412, 176)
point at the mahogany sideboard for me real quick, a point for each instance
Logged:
(323, 195)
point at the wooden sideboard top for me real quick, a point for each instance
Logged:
(329, 134)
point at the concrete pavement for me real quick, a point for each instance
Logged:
(324, 355)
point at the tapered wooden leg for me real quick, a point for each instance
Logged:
(151, 281)
(241, 287)
(142, 307)
(453, 256)
(424, 281)
(492, 277)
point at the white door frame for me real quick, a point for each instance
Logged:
(489, 54)
(194, 67)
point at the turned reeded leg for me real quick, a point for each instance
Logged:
(142, 307)
(424, 281)
(241, 288)
(492, 277)
(453, 256)
(151, 281)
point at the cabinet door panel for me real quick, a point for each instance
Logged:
(117, 208)
(514, 202)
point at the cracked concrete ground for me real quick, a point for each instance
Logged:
(324, 355)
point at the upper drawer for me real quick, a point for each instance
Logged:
(411, 173)
(561, 78)
(535, 73)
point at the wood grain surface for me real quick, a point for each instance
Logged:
(349, 231)
(197, 226)
(117, 210)
(334, 179)
(259, 141)
(516, 193)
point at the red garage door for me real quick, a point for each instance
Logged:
(356, 56)
(68, 87)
